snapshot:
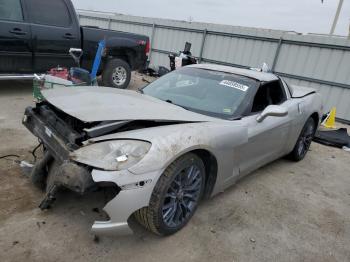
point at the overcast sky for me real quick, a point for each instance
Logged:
(296, 15)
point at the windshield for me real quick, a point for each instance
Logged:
(204, 91)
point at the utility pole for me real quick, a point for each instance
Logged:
(335, 21)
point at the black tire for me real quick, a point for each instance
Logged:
(38, 174)
(304, 140)
(117, 73)
(52, 168)
(152, 217)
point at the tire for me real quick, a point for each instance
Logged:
(117, 73)
(175, 198)
(304, 141)
(38, 175)
(52, 168)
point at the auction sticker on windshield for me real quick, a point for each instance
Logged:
(234, 85)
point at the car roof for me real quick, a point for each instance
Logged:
(261, 76)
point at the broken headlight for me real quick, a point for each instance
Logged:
(112, 155)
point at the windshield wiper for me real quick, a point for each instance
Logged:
(171, 102)
(235, 118)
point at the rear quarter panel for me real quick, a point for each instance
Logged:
(307, 106)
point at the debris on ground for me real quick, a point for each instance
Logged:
(337, 138)
(145, 80)
(347, 149)
(26, 167)
(38, 223)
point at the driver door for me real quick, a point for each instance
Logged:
(267, 140)
(15, 38)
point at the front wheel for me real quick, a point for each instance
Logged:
(304, 141)
(117, 73)
(175, 197)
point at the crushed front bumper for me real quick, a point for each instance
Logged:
(135, 189)
(135, 193)
(38, 126)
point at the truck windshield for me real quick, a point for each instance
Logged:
(212, 93)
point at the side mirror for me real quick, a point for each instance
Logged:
(272, 110)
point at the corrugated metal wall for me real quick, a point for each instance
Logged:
(320, 62)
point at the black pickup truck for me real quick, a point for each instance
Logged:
(36, 35)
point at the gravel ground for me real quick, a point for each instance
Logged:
(285, 211)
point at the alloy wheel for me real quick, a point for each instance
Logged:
(119, 75)
(305, 140)
(182, 196)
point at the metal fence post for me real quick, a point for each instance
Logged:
(151, 41)
(202, 45)
(275, 59)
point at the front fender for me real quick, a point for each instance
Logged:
(170, 142)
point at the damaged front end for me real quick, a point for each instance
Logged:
(59, 139)
(72, 162)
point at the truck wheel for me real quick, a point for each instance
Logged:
(304, 141)
(175, 196)
(117, 73)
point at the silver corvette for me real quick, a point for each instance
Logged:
(187, 136)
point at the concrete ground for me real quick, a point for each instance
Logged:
(285, 211)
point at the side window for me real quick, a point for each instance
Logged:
(49, 12)
(11, 10)
(270, 93)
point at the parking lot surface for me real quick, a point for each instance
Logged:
(284, 211)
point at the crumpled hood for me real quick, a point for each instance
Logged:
(91, 104)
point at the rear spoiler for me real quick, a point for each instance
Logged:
(301, 91)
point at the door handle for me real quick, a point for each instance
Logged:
(17, 31)
(68, 36)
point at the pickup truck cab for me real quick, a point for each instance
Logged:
(36, 35)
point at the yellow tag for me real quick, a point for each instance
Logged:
(227, 110)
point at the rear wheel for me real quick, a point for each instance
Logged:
(175, 197)
(117, 73)
(304, 141)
